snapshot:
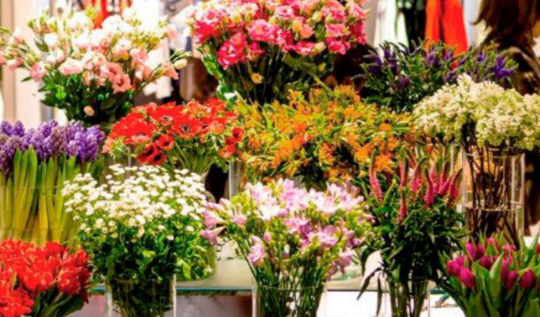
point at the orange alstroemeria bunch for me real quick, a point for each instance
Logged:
(327, 137)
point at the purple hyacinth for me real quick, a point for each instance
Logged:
(49, 140)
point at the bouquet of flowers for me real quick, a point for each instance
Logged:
(261, 49)
(47, 281)
(494, 126)
(492, 278)
(327, 137)
(292, 239)
(403, 76)
(415, 215)
(91, 73)
(193, 136)
(140, 228)
(34, 164)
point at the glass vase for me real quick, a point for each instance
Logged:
(35, 214)
(143, 298)
(409, 299)
(269, 301)
(493, 193)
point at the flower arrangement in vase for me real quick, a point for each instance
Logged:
(492, 278)
(293, 240)
(41, 281)
(34, 164)
(405, 76)
(494, 127)
(141, 228)
(193, 136)
(261, 49)
(326, 137)
(416, 220)
(90, 73)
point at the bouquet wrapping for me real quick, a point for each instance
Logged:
(294, 240)
(90, 73)
(261, 49)
(34, 164)
(47, 281)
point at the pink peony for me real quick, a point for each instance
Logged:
(262, 31)
(305, 48)
(335, 30)
(71, 67)
(38, 71)
(232, 51)
(338, 46)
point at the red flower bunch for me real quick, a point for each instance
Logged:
(192, 136)
(28, 272)
(493, 276)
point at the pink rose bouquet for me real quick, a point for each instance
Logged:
(294, 240)
(491, 278)
(91, 73)
(261, 49)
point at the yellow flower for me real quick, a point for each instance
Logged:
(257, 78)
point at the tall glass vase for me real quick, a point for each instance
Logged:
(410, 299)
(143, 298)
(269, 301)
(493, 193)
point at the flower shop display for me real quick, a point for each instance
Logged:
(193, 136)
(326, 137)
(491, 278)
(261, 49)
(404, 76)
(90, 73)
(416, 220)
(293, 240)
(46, 281)
(141, 228)
(34, 164)
(495, 126)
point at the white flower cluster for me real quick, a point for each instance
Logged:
(136, 199)
(498, 117)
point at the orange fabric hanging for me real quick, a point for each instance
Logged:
(445, 23)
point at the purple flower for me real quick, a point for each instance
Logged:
(211, 220)
(326, 237)
(240, 220)
(500, 70)
(212, 235)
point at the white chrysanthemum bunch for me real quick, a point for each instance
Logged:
(481, 114)
(141, 215)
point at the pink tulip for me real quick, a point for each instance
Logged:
(486, 262)
(493, 242)
(467, 278)
(510, 280)
(527, 279)
(454, 268)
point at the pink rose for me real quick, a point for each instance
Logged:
(262, 31)
(306, 31)
(232, 51)
(284, 13)
(13, 64)
(357, 30)
(122, 84)
(338, 46)
(38, 71)
(335, 30)
(305, 48)
(71, 67)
